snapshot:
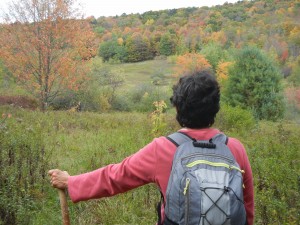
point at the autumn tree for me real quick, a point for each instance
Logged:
(189, 63)
(45, 45)
(138, 48)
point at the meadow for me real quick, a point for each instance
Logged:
(144, 72)
(80, 142)
(34, 142)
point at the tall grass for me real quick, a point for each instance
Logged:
(81, 142)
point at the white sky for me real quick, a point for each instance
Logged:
(99, 8)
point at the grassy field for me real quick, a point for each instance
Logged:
(81, 142)
(144, 72)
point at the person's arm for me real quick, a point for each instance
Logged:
(135, 170)
(240, 155)
(248, 191)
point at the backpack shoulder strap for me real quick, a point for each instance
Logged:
(220, 138)
(179, 138)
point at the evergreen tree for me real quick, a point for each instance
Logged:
(254, 83)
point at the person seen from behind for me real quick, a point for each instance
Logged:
(196, 98)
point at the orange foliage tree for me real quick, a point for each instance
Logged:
(46, 45)
(189, 63)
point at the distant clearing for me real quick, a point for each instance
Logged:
(145, 72)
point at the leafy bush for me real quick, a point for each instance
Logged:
(275, 159)
(274, 156)
(140, 99)
(19, 101)
(234, 119)
(23, 163)
(65, 101)
(122, 103)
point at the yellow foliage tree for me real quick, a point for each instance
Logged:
(189, 63)
(295, 35)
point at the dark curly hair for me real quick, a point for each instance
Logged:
(197, 99)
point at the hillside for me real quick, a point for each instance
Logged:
(140, 49)
(273, 26)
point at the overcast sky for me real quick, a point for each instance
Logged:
(117, 7)
(99, 8)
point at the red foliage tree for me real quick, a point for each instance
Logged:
(45, 45)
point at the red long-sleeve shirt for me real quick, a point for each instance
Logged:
(152, 164)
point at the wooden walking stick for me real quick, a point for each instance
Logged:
(64, 206)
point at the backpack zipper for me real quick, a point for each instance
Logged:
(187, 199)
(197, 162)
(187, 183)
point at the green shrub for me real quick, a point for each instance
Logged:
(234, 119)
(275, 159)
(23, 163)
(83, 100)
(65, 101)
(140, 99)
(122, 103)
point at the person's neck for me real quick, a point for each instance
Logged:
(202, 128)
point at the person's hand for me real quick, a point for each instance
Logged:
(59, 179)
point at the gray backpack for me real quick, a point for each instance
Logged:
(206, 184)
